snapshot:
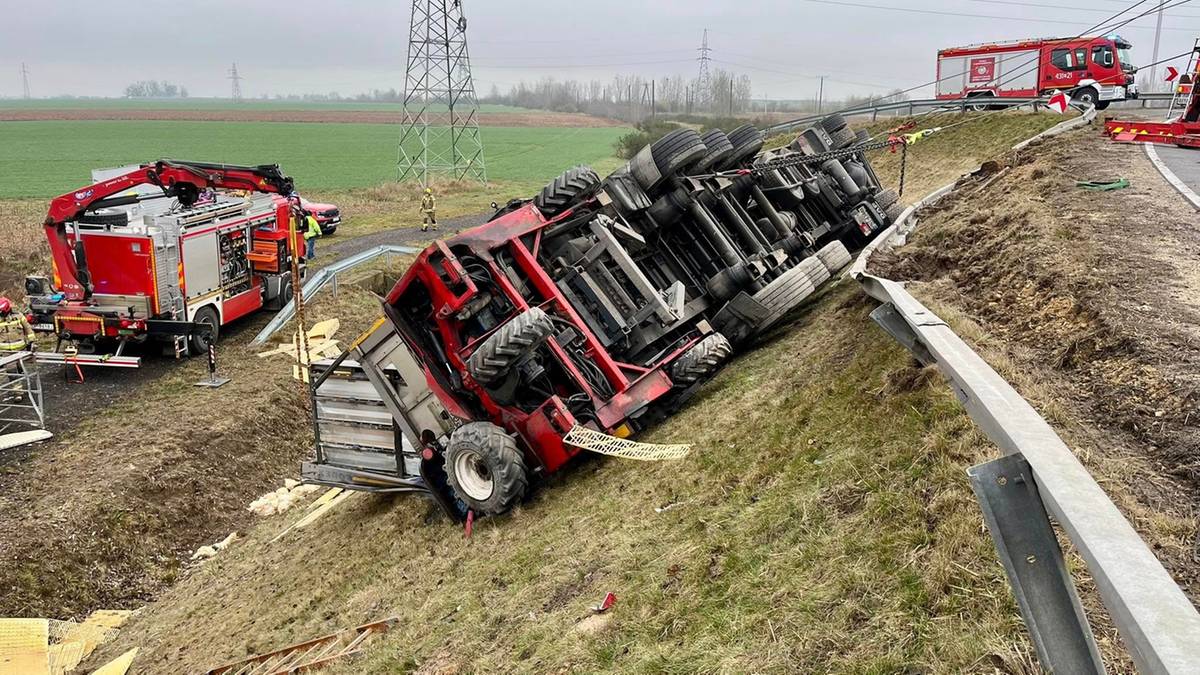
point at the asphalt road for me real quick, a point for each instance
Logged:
(1183, 162)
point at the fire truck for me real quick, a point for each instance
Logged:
(1094, 70)
(169, 252)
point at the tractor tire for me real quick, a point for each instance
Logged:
(564, 191)
(784, 293)
(816, 271)
(207, 331)
(834, 256)
(669, 155)
(842, 138)
(833, 122)
(719, 148)
(485, 468)
(886, 198)
(701, 361)
(746, 140)
(493, 359)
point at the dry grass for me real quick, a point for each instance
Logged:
(25, 250)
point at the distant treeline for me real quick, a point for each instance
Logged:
(155, 89)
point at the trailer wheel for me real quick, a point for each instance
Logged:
(746, 140)
(887, 198)
(842, 138)
(784, 293)
(208, 329)
(485, 468)
(673, 153)
(493, 359)
(562, 192)
(893, 212)
(833, 122)
(862, 136)
(834, 256)
(815, 270)
(702, 360)
(719, 149)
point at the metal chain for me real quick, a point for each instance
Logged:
(903, 163)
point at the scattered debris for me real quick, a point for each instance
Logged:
(1103, 185)
(310, 655)
(609, 600)
(281, 499)
(668, 507)
(318, 508)
(53, 647)
(319, 344)
(119, 665)
(206, 552)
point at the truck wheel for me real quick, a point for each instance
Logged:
(719, 149)
(887, 198)
(746, 140)
(834, 256)
(781, 295)
(562, 192)
(893, 212)
(815, 270)
(701, 361)
(493, 359)
(1102, 105)
(833, 122)
(842, 138)
(1087, 95)
(485, 468)
(671, 154)
(862, 136)
(208, 329)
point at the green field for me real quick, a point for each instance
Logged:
(212, 104)
(43, 159)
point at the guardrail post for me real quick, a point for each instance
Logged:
(910, 108)
(874, 114)
(890, 321)
(1033, 561)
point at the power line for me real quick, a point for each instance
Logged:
(1071, 8)
(862, 5)
(236, 93)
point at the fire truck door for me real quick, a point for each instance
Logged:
(1066, 67)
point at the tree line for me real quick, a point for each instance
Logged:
(155, 89)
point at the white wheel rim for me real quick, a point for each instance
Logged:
(473, 476)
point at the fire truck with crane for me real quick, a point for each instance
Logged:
(1182, 130)
(169, 251)
(1095, 70)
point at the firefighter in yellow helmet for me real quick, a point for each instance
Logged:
(429, 210)
(15, 332)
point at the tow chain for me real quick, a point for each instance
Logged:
(301, 333)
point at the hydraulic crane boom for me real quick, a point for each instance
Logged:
(178, 179)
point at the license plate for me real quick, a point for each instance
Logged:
(43, 326)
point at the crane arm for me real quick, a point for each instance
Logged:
(179, 179)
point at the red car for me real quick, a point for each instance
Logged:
(328, 216)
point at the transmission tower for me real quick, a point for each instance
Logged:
(440, 133)
(237, 84)
(25, 81)
(704, 82)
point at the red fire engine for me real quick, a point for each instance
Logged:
(1095, 70)
(173, 262)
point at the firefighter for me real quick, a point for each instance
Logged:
(429, 209)
(312, 230)
(15, 333)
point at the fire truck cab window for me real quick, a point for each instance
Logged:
(1102, 55)
(1066, 59)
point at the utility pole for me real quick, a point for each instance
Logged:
(731, 95)
(821, 92)
(704, 81)
(440, 129)
(1154, 57)
(236, 94)
(25, 82)
(652, 100)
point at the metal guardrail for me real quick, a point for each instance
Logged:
(317, 281)
(910, 107)
(1039, 475)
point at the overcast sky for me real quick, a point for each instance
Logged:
(350, 46)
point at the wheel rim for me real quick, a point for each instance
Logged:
(474, 477)
(207, 335)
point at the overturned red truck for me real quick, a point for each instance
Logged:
(576, 319)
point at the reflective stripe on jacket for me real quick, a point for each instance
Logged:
(428, 204)
(314, 228)
(15, 332)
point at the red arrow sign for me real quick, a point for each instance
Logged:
(1171, 73)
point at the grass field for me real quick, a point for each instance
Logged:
(43, 159)
(211, 104)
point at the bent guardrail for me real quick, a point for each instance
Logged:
(1039, 476)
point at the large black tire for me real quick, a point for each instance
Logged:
(861, 136)
(893, 212)
(208, 329)
(886, 198)
(719, 149)
(701, 361)
(1087, 95)
(746, 140)
(842, 138)
(834, 256)
(833, 122)
(815, 270)
(669, 155)
(784, 293)
(564, 191)
(485, 468)
(493, 359)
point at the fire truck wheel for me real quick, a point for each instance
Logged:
(562, 192)
(834, 256)
(485, 468)
(886, 198)
(785, 292)
(1086, 95)
(746, 140)
(842, 138)
(493, 359)
(833, 122)
(701, 361)
(201, 338)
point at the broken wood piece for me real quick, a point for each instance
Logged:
(311, 654)
(119, 665)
